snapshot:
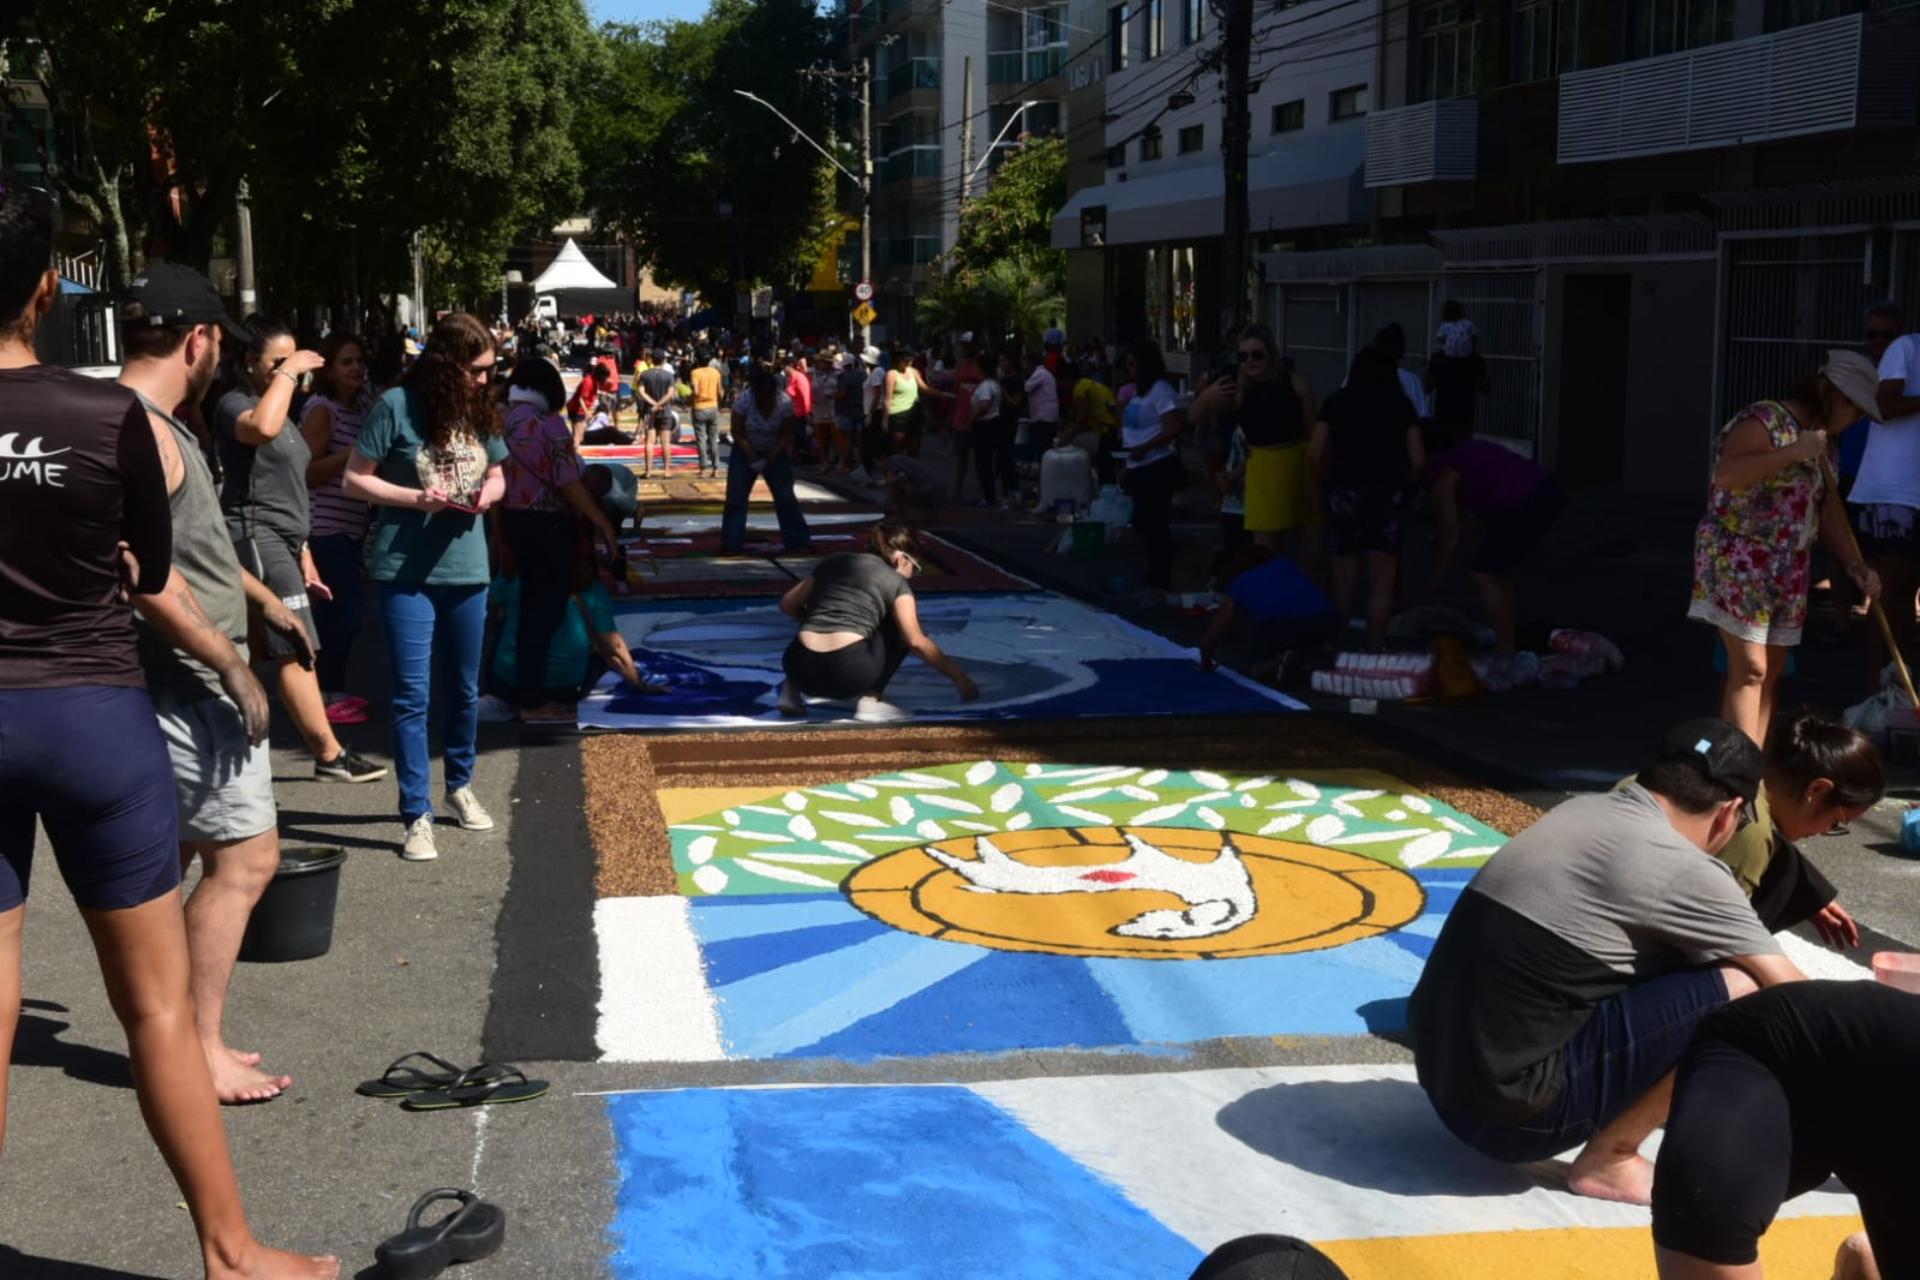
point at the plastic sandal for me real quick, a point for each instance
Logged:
(399, 1080)
(473, 1231)
(486, 1084)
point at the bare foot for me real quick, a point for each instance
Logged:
(245, 1057)
(1626, 1179)
(237, 1084)
(1855, 1260)
(262, 1263)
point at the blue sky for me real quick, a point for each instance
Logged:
(645, 10)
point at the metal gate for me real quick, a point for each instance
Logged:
(1314, 331)
(1509, 308)
(1791, 299)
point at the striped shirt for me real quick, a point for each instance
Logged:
(333, 510)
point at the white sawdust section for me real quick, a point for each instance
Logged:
(655, 1005)
(1817, 961)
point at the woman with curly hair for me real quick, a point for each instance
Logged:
(430, 458)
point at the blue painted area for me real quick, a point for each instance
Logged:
(698, 690)
(731, 961)
(991, 1007)
(791, 1007)
(715, 918)
(859, 1184)
(1309, 993)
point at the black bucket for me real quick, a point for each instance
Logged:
(294, 918)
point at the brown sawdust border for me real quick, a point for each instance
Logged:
(623, 772)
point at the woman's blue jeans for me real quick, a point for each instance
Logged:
(427, 628)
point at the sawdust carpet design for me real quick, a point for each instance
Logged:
(994, 906)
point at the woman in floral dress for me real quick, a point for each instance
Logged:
(1768, 502)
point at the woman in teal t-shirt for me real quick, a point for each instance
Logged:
(429, 459)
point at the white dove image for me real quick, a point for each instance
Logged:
(1219, 894)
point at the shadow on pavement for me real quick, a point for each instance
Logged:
(37, 1043)
(15, 1263)
(1379, 1134)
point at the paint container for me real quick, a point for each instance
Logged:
(1910, 833)
(294, 918)
(1898, 969)
(1362, 706)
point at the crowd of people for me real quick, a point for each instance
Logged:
(1611, 970)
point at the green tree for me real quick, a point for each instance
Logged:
(712, 189)
(1013, 220)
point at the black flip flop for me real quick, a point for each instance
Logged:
(399, 1079)
(486, 1084)
(473, 1231)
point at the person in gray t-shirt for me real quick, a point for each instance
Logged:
(858, 620)
(1569, 976)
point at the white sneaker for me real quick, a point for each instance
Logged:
(466, 807)
(792, 705)
(879, 711)
(419, 843)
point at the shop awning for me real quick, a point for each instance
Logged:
(1311, 182)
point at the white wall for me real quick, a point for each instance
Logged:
(1305, 52)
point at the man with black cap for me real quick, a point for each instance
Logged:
(193, 648)
(1569, 976)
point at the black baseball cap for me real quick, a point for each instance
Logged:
(1723, 754)
(172, 294)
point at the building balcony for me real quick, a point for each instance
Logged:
(878, 15)
(921, 161)
(1025, 66)
(1436, 141)
(905, 77)
(1846, 73)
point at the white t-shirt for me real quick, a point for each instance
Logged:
(1141, 422)
(1890, 468)
(1043, 395)
(986, 400)
(763, 431)
(876, 381)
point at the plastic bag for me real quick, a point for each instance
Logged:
(1111, 507)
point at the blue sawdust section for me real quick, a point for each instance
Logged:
(862, 1183)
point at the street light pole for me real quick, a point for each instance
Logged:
(864, 178)
(1011, 121)
(1237, 38)
(243, 208)
(866, 186)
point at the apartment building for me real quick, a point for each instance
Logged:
(924, 52)
(1656, 211)
(1143, 228)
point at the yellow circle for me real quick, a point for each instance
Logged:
(1079, 891)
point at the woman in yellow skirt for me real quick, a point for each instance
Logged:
(1273, 406)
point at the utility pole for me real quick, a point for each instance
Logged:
(966, 131)
(249, 299)
(419, 296)
(1237, 39)
(866, 184)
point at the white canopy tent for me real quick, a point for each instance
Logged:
(578, 286)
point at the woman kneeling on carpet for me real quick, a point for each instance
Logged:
(858, 620)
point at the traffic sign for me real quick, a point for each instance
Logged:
(863, 291)
(864, 314)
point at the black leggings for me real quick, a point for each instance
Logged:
(993, 457)
(544, 550)
(862, 668)
(1152, 488)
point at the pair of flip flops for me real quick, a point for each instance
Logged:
(439, 1085)
(471, 1232)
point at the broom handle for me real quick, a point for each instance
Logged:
(1873, 606)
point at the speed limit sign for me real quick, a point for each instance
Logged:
(863, 291)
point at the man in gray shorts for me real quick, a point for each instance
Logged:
(1569, 977)
(193, 647)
